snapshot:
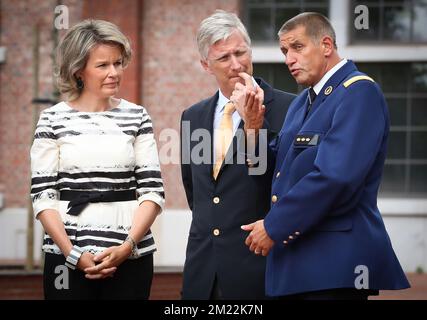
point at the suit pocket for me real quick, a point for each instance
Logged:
(339, 223)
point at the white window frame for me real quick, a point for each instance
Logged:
(339, 16)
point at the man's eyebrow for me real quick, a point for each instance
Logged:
(296, 41)
(221, 56)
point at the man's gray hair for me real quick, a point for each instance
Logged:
(219, 26)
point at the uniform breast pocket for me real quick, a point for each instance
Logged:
(305, 151)
(306, 140)
(307, 143)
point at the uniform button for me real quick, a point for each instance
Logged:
(216, 200)
(274, 198)
(291, 238)
(285, 242)
(297, 233)
(278, 174)
(216, 232)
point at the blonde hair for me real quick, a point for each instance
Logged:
(73, 51)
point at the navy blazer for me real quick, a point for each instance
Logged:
(324, 217)
(216, 243)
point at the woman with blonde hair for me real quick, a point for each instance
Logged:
(96, 181)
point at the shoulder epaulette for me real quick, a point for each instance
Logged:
(356, 78)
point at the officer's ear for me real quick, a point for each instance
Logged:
(327, 45)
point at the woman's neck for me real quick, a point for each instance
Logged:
(90, 103)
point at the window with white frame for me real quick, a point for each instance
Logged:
(404, 21)
(265, 17)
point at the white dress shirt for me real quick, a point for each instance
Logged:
(327, 75)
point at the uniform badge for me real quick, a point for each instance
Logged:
(302, 140)
(328, 90)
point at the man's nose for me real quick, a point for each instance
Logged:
(235, 64)
(290, 59)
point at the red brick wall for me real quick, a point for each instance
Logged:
(173, 78)
(126, 14)
(165, 74)
(19, 19)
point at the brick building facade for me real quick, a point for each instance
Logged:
(162, 75)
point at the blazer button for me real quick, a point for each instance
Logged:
(285, 242)
(216, 232)
(278, 174)
(274, 198)
(291, 238)
(297, 233)
(216, 200)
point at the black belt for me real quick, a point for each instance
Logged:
(80, 199)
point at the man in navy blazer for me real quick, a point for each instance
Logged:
(218, 264)
(324, 234)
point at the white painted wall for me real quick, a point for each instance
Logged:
(407, 230)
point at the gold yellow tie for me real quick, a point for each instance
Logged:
(224, 136)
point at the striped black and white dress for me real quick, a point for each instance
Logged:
(95, 151)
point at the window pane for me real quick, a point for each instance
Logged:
(397, 23)
(419, 146)
(419, 178)
(393, 179)
(371, 69)
(260, 26)
(394, 78)
(373, 32)
(419, 113)
(317, 2)
(289, 2)
(283, 15)
(263, 70)
(397, 110)
(322, 10)
(367, 1)
(396, 145)
(284, 79)
(419, 72)
(420, 21)
(277, 75)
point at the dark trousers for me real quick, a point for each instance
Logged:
(132, 280)
(216, 291)
(332, 294)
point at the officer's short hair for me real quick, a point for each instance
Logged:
(316, 26)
